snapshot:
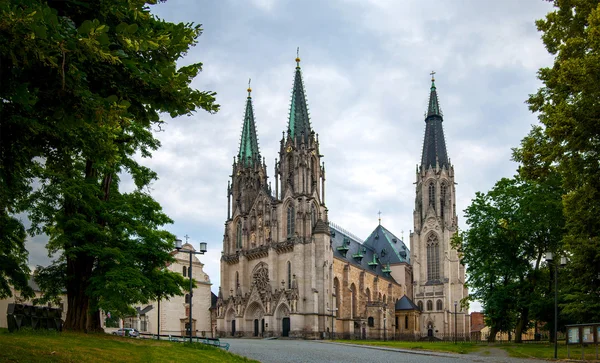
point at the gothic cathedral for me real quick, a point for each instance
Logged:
(287, 271)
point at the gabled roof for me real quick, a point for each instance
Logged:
(299, 123)
(389, 247)
(249, 155)
(434, 144)
(370, 250)
(406, 304)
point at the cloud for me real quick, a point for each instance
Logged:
(366, 68)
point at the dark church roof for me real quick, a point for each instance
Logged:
(434, 144)
(375, 254)
(406, 304)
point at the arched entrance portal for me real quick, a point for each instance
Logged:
(230, 321)
(254, 316)
(430, 329)
(282, 314)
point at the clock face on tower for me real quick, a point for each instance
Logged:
(289, 148)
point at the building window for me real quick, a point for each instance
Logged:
(184, 271)
(406, 322)
(368, 292)
(354, 302)
(237, 279)
(429, 305)
(291, 221)
(336, 294)
(443, 200)
(187, 298)
(313, 216)
(289, 274)
(439, 305)
(238, 235)
(371, 321)
(433, 258)
(420, 305)
(432, 194)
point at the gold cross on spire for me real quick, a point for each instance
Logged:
(249, 89)
(379, 217)
(432, 76)
(298, 57)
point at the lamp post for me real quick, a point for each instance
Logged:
(455, 305)
(333, 310)
(563, 261)
(191, 253)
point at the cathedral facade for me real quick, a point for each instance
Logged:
(287, 271)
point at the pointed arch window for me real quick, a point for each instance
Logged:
(432, 194)
(429, 305)
(291, 221)
(289, 274)
(420, 305)
(313, 216)
(238, 235)
(237, 279)
(184, 271)
(439, 305)
(443, 191)
(433, 258)
(187, 298)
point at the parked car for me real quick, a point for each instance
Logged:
(127, 332)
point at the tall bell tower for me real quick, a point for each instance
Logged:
(439, 277)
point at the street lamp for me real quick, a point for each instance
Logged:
(190, 252)
(563, 261)
(333, 310)
(455, 305)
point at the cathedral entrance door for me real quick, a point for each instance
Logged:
(429, 332)
(255, 327)
(233, 328)
(285, 327)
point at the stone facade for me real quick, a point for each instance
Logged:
(286, 271)
(439, 276)
(174, 311)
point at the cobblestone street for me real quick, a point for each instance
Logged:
(302, 351)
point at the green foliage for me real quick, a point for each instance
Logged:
(510, 228)
(84, 85)
(569, 141)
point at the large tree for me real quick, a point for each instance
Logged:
(87, 82)
(510, 228)
(568, 105)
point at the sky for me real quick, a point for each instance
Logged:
(366, 67)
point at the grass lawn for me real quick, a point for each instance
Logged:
(546, 351)
(524, 350)
(44, 346)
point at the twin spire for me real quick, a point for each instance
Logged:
(298, 124)
(249, 155)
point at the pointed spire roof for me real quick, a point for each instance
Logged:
(299, 123)
(434, 144)
(249, 155)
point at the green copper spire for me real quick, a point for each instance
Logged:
(249, 155)
(434, 144)
(434, 103)
(299, 123)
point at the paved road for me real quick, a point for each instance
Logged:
(303, 351)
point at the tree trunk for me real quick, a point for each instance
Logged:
(79, 271)
(492, 337)
(521, 325)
